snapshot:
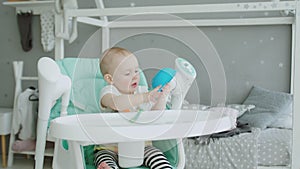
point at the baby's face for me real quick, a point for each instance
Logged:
(126, 74)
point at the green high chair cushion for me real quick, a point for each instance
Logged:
(87, 81)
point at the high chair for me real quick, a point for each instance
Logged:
(84, 126)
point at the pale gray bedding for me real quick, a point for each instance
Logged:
(274, 147)
(237, 152)
(269, 147)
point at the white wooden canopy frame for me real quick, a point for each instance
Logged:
(291, 9)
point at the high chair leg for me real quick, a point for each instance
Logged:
(67, 154)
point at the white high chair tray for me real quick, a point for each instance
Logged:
(148, 125)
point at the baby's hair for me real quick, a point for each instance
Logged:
(108, 56)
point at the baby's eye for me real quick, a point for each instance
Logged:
(127, 74)
(136, 71)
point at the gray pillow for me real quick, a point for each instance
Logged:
(285, 120)
(269, 106)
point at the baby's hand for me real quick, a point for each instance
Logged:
(162, 97)
(166, 90)
(154, 94)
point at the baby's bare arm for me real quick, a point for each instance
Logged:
(124, 102)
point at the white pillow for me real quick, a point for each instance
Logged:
(195, 107)
(241, 108)
(227, 111)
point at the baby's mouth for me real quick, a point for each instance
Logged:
(134, 85)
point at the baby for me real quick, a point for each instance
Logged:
(120, 70)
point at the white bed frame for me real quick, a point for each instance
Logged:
(292, 8)
(289, 7)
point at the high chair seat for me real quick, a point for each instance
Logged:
(86, 129)
(84, 126)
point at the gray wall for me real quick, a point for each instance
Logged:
(11, 50)
(251, 55)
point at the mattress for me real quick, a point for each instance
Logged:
(271, 148)
(274, 147)
(234, 152)
(273, 167)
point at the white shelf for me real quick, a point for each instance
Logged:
(48, 152)
(37, 7)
